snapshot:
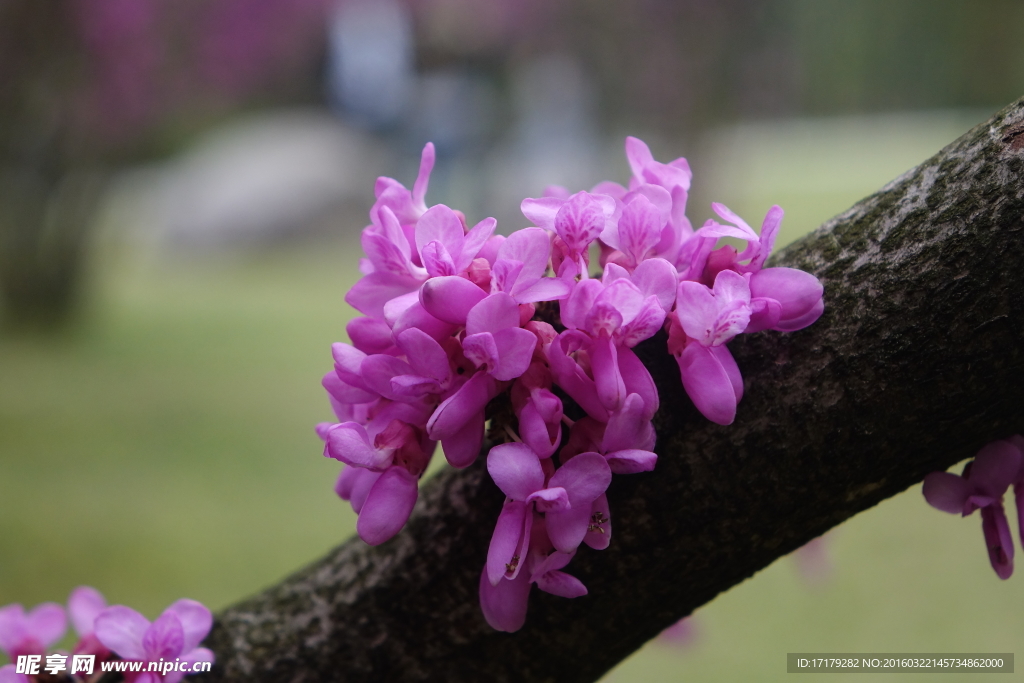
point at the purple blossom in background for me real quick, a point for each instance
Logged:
(682, 634)
(147, 62)
(449, 327)
(814, 560)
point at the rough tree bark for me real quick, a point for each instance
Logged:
(916, 363)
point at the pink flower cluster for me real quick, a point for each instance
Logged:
(981, 486)
(104, 632)
(449, 325)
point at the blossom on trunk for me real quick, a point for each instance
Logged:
(449, 326)
(982, 485)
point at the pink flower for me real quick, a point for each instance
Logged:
(444, 246)
(176, 634)
(703, 322)
(784, 299)
(504, 604)
(386, 457)
(31, 633)
(519, 268)
(449, 326)
(637, 232)
(9, 673)
(613, 316)
(567, 499)
(984, 481)
(577, 220)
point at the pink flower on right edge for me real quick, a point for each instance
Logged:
(981, 486)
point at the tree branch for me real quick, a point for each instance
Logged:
(916, 363)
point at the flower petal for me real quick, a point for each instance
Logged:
(707, 383)
(542, 211)
(797, 292)
(369, 295)
(496, 312)
(732, 370)
(945, 491)
(84, 604)
(419, 187)
(417, 316)
(425, 355)
(994, 468)
(47, 623)
(359, 482)
(638, 380)
(462, 448)
(455, 411)
(696, 310)
(515, 348)
(450, 298)
(516, 469)
(631, 461)
(349, 443)
(164, 637)
(571, 377)
(561, 584)
(998, 539)
(195, 619)
(507, 548)
(387, 506)
(542, 289)
(199, 654)
(553, 499)
(584, 477)
(567, 529)
(440, 224)
(12, 627)
(658, 277)
(531, 247)
(604, 364)
(579, 221)
(504, 606)
(9, 674)
(121, 630)
(639, 228)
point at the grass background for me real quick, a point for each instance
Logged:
(166, 449)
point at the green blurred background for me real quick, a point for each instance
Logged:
(179, 225)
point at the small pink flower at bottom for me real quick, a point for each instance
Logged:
(175, 635)
(504, 604)
(31, 633)
(9, 674)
